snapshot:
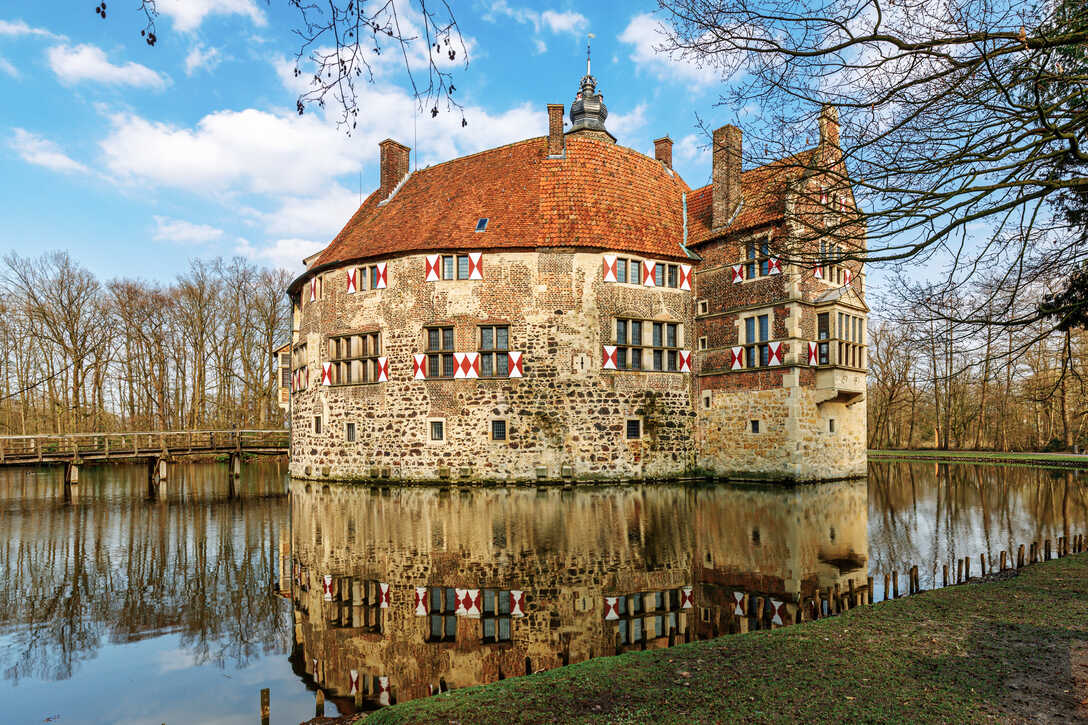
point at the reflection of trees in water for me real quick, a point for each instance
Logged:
(929, 513)
(113, 567)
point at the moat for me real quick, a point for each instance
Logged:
(116, 607)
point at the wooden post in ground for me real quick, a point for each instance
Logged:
(1020, 557)
(887, 585)
(266, 707)
(319, 703)
(742, 620)
(1003, 567)
(959, 571)
(1046, 550)
(914, 580)
(944, 575)
(966, 568)
(982, 564)
(895, 584)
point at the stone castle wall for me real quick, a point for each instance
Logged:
(565, 411)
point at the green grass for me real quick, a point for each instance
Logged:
(980, 652)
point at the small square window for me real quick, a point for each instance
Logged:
(438, 430)
(349, 432)
(634, 429)
(831, 425)
(706, 399)
(498, 430)
(481, 225)
(704, 307)
(317, 424)
(703, 344)
(755, 426)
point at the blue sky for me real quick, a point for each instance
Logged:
(136, 159)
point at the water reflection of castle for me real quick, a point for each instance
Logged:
(403, 593)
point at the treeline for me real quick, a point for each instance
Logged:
(80, 354)
(939, 384)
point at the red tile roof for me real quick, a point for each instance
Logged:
(763, 191)
(600, 195)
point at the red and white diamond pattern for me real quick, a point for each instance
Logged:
(326, 586)
(775, 353)
(433, 270)
(383, 276)
(354, 682)
(774, 265)
(685, 276)
(517, 369)
(738, 607)
(517, 603)
(352, 274)
(475, 265)
(466, 365)
(460, 610)
(813, 356)
(419, 367)
(383, 691)
(738, 273)
(736, 358)
(847, 276)
(776, 608)
(326, 373)
(818, 273)
(383, 370)
(608, 361)
(421, 601)
(470, 602)
(383, 595)
(685, 598)
(648, 273)
(611, 607)
(684, 359)
(608, 271)
(313, 290)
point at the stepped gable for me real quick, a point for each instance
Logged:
(763, 191)
(598, 195)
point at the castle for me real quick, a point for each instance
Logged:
(565, 308)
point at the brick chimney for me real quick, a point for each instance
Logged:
(394, 166)
(726, 174)
(556, 145)
(829, 125)
(663, 151)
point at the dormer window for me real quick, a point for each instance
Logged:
(481, 225)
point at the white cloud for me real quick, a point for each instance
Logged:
(187, 15)
(689, 148)
(625, 125)
(284, 253)
(319, 216)
(183, 232)
(19, 27)
(89, 63)
(7, 68)
(541, 46)
(566, 22)
(231, 151)
(645, 36)
(201, 57)
(42, 152)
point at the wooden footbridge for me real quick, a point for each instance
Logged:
(155, 448)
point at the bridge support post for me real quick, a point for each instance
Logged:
(236, 465)
(71, 473)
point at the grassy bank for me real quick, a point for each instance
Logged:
(1015, 650)
(1062, 460)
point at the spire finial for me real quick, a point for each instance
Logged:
(588, 38)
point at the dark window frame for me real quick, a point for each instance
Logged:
(440, 358)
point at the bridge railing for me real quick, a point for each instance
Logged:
(134, 443)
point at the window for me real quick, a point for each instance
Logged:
(647, 345)
(648, 615)
(756, 333)
(355, 358)
(481, 224)
(755, 426)
(757, 259)
(831, 425)
(703, 344)
(704, 307)
(498, 430)
(706, 399)
(634, 429)
(621, 270)
(447, 266)
(494, 347)
(438, 430)
(463, 266)
(630, 270)
(455, 266)
(847, 341)
(659, 274)
(495, 615)
(349, 432)
(442, 606)
(672, 277)
(823, 332)
(317, 425)
(356, 603)
(299, 363)
(439, 352)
